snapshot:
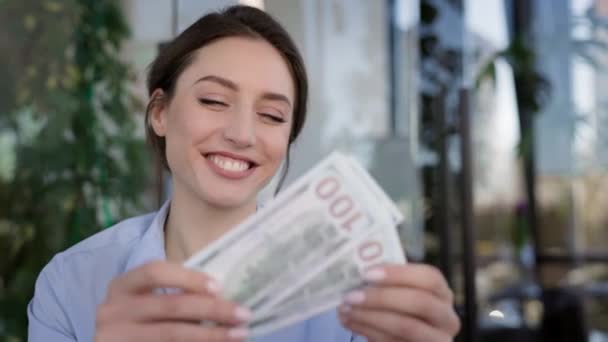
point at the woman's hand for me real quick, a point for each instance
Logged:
(405, 303)
(133, 312)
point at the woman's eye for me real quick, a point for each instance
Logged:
(211, 102)
(273, 118)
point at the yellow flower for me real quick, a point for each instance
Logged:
(30, 22)
(51, 83)
(8, 159)
(71, 76)
(53, 6)
(31, 71)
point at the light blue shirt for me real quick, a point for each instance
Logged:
(74, 283)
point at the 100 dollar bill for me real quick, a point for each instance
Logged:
(326, 290)
(289, 241)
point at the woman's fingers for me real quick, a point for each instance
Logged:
(371, 334)
(160, 274)
(170, 331)
(397, 327)
(133, 312)
(407, 301)
(177, 307)
(420, 276)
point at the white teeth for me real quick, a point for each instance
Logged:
(229, 164)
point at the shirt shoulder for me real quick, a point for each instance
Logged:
(119, 236)
(71, 286)
(90, 265)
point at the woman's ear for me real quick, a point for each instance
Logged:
(158, 112)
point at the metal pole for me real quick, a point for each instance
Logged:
(442, 190)
(393, 66)
(174, 17)
(468, 229)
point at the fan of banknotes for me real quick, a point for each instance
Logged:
(299, 254)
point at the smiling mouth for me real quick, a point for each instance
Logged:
(230, 164)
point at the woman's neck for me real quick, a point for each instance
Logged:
(193, 224)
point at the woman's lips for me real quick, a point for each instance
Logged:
(230, 167)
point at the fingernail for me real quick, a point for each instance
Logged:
(213, 286)
(242, 314)
(374, 275)
(344, 308)
(238, 333)
(355, 297)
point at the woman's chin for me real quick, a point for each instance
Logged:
(228, 202)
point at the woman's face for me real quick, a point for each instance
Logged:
(227, 126)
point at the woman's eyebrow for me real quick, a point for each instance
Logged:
(219, 80)
(276, 97)
(233, 86)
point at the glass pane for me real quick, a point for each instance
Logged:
(589, 62)
(349, 107)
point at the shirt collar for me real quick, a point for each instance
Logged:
(151, 246)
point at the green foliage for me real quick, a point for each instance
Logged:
(71, 161)
(533, 89)
(522, 59)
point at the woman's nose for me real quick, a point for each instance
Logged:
(240, 130)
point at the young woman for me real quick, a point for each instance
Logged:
(227, 99)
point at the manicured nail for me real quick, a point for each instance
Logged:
(374, 275)
(355, 297)
(242, 314)
(238, 333)
(344, 308)
(213, 286)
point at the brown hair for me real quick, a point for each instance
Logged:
(240, 21)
